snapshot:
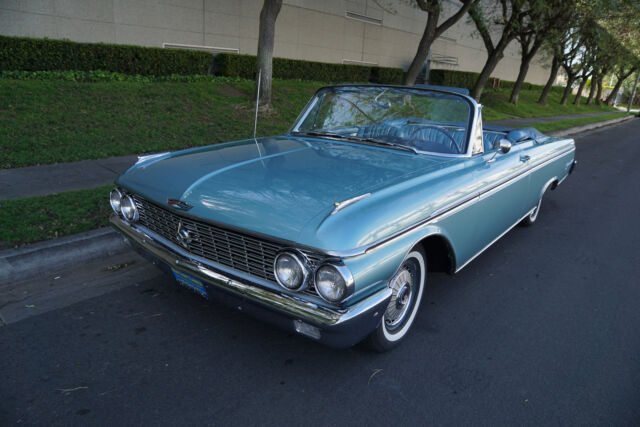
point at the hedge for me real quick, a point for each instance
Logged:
(465, 79)
(27, 54)
(234, 65)
(110, 76)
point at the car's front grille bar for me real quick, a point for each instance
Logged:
(233, 249)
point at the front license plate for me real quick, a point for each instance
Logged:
(190, 282)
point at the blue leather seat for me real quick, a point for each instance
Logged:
(491, 140)
(522, 134)
(388, 127)
(429, 134)
(414, 132)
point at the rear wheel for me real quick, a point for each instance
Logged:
(533, 215)
(407, 286)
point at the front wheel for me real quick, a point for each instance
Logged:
(407, 286)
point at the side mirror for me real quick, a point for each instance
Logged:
(504, 146)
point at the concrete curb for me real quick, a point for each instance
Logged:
(585, 128)
(55, 255)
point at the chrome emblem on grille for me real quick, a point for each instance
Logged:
(183, 235)
(178, 204)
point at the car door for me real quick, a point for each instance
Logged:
(503, 191)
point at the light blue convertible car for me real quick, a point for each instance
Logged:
(331, 230)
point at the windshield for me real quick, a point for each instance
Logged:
(419, 120)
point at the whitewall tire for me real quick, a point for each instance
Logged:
(530, 219)
(407, 287)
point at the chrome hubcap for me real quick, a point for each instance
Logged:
(401, 291)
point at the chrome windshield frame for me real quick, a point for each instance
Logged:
(474, 115)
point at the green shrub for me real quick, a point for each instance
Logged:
(468, 79)
(234, 65)
(27, 54)
(386, 75)
(451, 78)
(107, 76)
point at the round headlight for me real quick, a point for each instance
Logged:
(128, 208)
(114, 200)
(330, 283)
(289, 271)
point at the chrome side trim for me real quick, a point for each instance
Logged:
(494, 240)
(341, 205)
(282, 303)
(456, 207)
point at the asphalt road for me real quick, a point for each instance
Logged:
(542, 329)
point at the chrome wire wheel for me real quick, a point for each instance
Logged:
(406, 287)
(402, 286)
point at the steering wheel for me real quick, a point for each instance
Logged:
(453, 145)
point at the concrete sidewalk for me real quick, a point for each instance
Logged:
(49, 179)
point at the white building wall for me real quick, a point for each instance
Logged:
(305, 29)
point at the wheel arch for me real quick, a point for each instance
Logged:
(439, 253)
(551, 184)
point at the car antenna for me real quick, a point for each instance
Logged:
(255, 121)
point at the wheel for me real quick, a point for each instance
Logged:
(531, 218)
(407, 286)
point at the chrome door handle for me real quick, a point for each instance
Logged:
(525, 158)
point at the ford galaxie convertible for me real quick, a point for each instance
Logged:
(330, 230)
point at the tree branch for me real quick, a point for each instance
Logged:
(481, 26)
(466, 5)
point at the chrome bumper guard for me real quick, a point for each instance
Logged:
(339, 328)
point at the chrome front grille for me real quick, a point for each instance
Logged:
(233, 249)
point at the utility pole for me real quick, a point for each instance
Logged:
(633, 92)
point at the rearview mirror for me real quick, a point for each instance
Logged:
(505, 146)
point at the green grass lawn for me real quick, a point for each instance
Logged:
(565, 124)
(497, 106)
(50, 121)
(48, 217)
(54, 121)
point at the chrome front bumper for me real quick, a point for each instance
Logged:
(337, 327)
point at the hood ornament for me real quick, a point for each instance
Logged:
(178, 204)
(338, 206)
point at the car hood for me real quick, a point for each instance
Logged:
(284, 186)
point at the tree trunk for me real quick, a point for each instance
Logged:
(614, 93)
(580, 89)
(492, 61)
(611, 99)
(488, 68)
(426, 41)
(268, 16)
(555, 67)
(567, 90)
(524, 69)
(599, 91)
(592, 90)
